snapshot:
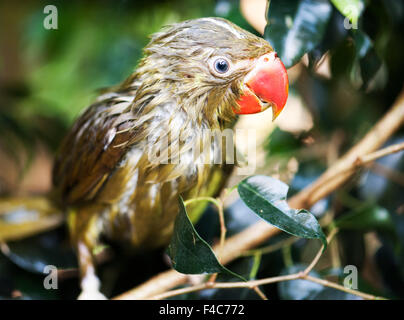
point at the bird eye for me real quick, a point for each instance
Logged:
(221, 65)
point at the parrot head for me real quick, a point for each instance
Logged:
(215, 69)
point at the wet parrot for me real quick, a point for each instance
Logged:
(195, 77)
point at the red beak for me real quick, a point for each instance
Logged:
(266, 85)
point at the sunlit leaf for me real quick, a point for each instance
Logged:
(351, 9)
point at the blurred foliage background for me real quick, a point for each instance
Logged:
(344, 75)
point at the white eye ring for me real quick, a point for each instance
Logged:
(220, 66)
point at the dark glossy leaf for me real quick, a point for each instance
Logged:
(343, 58)
(266, 196)
(333, 36)
(189, 253)
(356, 57)
(369, 61)
(296, 27)
(366, 218)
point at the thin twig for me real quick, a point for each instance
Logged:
(260, 293)
(223, 285)
(212, 278)
(319, 253)
(381, 153)
(253, 284)
(223, 229)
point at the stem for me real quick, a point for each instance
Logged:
(319, 253)
(255, 283)
(287, 256)
(256, 265)
(253, 275)
(260, 293)
(223, 229)
(209, 199)
(381, 153)
(219, 204)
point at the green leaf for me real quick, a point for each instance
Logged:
(366, 218)
(266, 196)
(296, 27)
(189, 253)
(352, 9)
